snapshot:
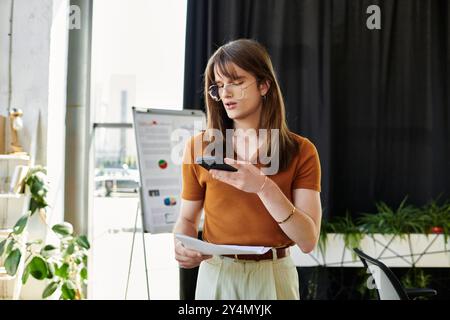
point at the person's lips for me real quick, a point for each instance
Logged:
(230, 105)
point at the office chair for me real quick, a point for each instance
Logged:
(387, 284)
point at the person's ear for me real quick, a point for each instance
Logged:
(264, 87)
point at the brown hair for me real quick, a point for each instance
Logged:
(253, 58)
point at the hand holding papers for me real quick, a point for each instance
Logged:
(207, 248)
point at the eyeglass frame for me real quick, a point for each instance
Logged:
(224, 87)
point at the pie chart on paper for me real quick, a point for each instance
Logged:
(170, 201)
(162, 164)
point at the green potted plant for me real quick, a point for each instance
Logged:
(436, 218)
(399, 222)
(63, 264)
(331, 231)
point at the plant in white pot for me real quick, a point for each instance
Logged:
(63, 265)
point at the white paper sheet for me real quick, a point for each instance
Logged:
(218, 249)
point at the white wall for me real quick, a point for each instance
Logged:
(30, 65)
(4, 54)
(39, 66)
(39, 72)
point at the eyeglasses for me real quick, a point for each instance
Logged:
(235, 89)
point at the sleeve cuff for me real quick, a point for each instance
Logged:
(314, 187)
(192, 197)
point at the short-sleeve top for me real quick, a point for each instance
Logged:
(236, 217)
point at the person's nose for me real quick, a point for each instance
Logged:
(227, 93)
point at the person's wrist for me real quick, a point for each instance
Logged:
(288, 217)
(261, 188)
(267, 184)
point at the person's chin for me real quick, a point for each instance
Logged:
(231, 113)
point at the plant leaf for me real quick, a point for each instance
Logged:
(63, 229)
(63, 271)
(71, 285)
(38, 268)
(67, 292)
(20, 224)
(70, 249)
(49, 247)
(10, 246)
(2, 247)
(12, 262)
(48, 250)
(33, 206)
(36, 186)
(51, 271)
(84, 274)
(26, 274)
(82, 241)
(50, 289)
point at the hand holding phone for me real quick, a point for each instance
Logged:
(214, 163)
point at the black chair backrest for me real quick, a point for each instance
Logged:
(387, 284)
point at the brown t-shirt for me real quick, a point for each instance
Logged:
(236, 217)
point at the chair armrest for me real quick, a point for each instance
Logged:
(420, 292)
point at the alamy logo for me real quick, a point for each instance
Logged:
(74, 17)
(374, 20)
(374, 277)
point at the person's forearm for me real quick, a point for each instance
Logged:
(300, 227)
(186, 227)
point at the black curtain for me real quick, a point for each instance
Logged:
(374, 102)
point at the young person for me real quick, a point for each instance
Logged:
(257, 205)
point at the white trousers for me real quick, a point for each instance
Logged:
(223, 278)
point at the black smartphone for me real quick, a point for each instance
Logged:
(212, 163)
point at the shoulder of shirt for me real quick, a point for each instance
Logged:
(302, 141)
(307, 149)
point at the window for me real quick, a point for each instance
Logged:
(137, 56)
(137, 60)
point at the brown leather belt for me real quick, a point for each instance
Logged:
(281, 253)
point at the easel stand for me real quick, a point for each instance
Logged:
(132, 250)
